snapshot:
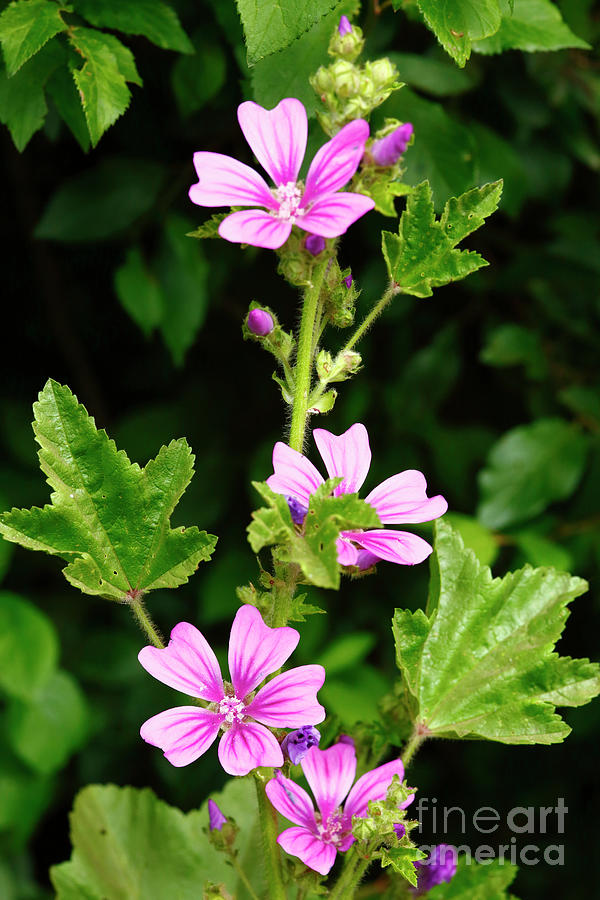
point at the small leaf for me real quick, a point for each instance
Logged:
(422, 255)
(108, 518)
(210, 228)
(139, 292)
(534, 25)
(153, 19)
(28, 647)
(490, 671)
(272, 25)
(25, 26)
(22, 102)
(63, 91)
(513, 345)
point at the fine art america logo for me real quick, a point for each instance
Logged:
(520, 820)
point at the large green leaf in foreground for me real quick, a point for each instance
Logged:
(473, 881)
(108, 518)
(480, 664)
(423, 254)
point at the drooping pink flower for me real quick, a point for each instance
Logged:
(320, 834)
(388, 150)
(278, 139)
(399, 500)
(189, 665)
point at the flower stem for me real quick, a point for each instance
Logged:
(143, 619)
(370, 317)
(350, 878)
(304, 356)
(412, 745)
(243, 877)
(268, 826)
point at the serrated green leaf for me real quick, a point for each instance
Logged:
(28, 647)
(476, 537)
(529, 468)
(46, 731)
(272, 25)
(401, 860)
(108, 517)
(474, 881)
(127, 843)
(210, 228)
(490, 671)
(22, 102)
(153, 19)
(61, 88)
(533, 25)
(300, 609)
(422, 255)
(457, 23)
(25, 26)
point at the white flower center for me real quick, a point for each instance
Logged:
(334, 829)
(232, 709)
(288, 196)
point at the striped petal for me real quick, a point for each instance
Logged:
(255, 650)
(330, 774)
(394, 546)
(255, 227)
(290, 700)
(347, 455)
(291, 801)
(277, 136)
(225, 181)
(248, 746)
(403, 499)
(295, 476)
(183, 734)
(336, 162)
(313, 852)
(187, 664)
(333, 214)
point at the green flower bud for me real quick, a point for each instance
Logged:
(346, 78)
(382, 73)
(346, 44)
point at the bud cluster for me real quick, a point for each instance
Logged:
(342, 294)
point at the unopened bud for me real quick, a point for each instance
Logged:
(260, 322)
(344, 27)
(388, 150)
(297, 510)
(348, 281)
(216, 819)
(382, 72)
(347, 41)
(315, 244)
(400, 830)
(346, 78)
(296, 744)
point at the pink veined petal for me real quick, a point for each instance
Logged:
(291, 801)
(347, 454)
(330, 774)
(365, 560)
(183, 734)
(247, 746)
(336, 162)
(255, 650)
(277, 136)
(373, 785)
(394, 546)
(347, 553)
(290, 699)
(187, 664)
(403, 498)
(295, 475)
(225, 181)
(313, 852)
(333, 214)
(255, 227)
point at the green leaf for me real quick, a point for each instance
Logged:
(102, 201)
(102, 79)
(476, 537)
(24, 795)
(513, 345)
(22, 102)
(198, 78)
(457, 23)
(28, 647)
(210, 228)
(139, 292)
(25, 26)
(473, 881)
(153, 19)
(313, 547)
(127, 843)
(541, 551)
(427, 73)
(422, 255)
(45, 732)
(529, 468)
(533, 25)
(346, 651)
(272, 25)
(490, 671)
(401, 859)
(61, 88)
(108, 517)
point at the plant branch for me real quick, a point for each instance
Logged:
(134, 600)
(268, 826)
(371, 316)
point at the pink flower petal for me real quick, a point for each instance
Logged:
(333, 214)
(225, 181)
(336, 162)
(403, 498)
(277, 137)
(184, 733)
(245, 747)
(373, 785)
(330, 774)
(291, 801)
(313, 852)
(348, 454)
(187, 664)
(255, 227)
(255, 650)
(365, 560)
(394, 546)
(290, 699)
(347, 553)
(295, 476)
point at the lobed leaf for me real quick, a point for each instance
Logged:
(25, 26)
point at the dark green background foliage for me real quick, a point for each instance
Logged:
(490, 387)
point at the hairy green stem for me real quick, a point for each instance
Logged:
(268, 827)
(145, 622)
(304, 356)
(350, 878)
(243, 877)
(370, 317)
(412, 745)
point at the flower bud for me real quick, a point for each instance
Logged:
(296, 744)
(322, 80)
(348, 280)
(440, 867)
(344, 27)
(346, 78)
(297, 511)
(315, 244)
(400, 830)
(260, 322)
(382, 73)
(216, 819)
(345, 739)
(388, 150)
(347, 41)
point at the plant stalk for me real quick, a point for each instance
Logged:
(350, 878)
(144, 621)
(412, 745)
(268, 826)
(370, 317)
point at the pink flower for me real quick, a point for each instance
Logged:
(398, 500)
(278, 139)
(189, 665)
(330, 773)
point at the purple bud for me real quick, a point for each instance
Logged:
(389, 149)
(348, 281)
(315, 244)
(297, 510)
(260, 322)
(438, 868)
(344, 27)
(296, 744)
(346, 739)
(400, 830)
(216, 819)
